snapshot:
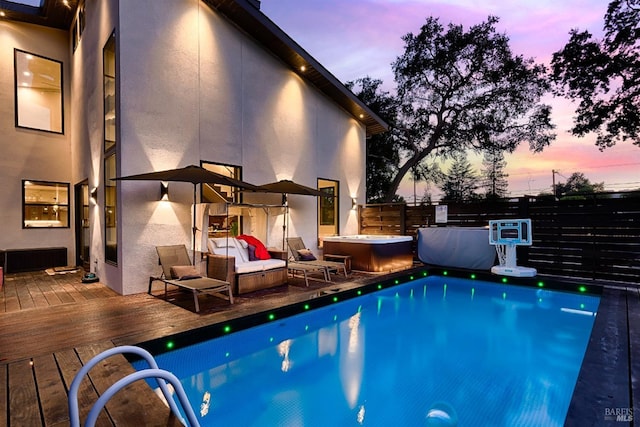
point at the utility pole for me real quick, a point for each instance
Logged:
(553, 180)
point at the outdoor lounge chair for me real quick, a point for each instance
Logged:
(304, 268)
(178, 271)
(298, 250)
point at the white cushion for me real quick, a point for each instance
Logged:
(230, 247)
(260, 265)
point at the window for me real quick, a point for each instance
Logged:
(38, 97)
(231, 222)
(215, 193)
(328, 209)
(77, 27)
(110, 151)
(110, 210)
(45, 204)
(109, 72)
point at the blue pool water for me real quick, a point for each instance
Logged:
(426, 352)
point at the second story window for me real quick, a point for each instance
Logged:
(38, 96)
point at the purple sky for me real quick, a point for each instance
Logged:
(356, 38)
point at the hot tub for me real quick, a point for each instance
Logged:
(368, 252)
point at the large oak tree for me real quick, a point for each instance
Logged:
(604, 76)
(465, 90)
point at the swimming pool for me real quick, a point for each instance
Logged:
(481, 353)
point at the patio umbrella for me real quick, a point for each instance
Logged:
(195, 175)
(286, 187)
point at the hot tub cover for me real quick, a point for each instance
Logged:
(459, 247)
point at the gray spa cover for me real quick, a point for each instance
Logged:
(461, 247)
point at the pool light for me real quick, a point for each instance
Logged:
(379, 286)
(504, 280)
(444, 273)
(272, 316)
(396, 281)
(582, 289)
(335, 299)
(306, 307)
(170, 345)
(541, 284)
(227, 329)
(473, 276)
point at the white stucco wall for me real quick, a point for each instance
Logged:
(194, 88)
(87, 125)
(31, 154)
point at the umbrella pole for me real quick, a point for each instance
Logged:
(193, 230)
(285, 202)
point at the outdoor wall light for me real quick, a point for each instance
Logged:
(164, 191)
(354, 203)
(94, 194)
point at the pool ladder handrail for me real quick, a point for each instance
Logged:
(154, 371)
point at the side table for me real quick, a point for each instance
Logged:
(345, 259)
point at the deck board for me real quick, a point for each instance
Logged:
(23, 398)
(51, 391)
(69, 364)
(4, 392)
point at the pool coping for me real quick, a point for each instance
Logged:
(604, 382)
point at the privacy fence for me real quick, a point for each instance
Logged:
(595, 237)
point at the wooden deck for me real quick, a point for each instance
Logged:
(51, 325)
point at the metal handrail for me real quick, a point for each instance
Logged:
(154, 372)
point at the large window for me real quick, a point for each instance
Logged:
(328, 209)
(45, 204)
(109, 71)
(110, 149)
(229, 222)
(38, 97)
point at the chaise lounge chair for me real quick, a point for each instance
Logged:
(300, 254)
(178, 271)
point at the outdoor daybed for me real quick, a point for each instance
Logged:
(228, 260)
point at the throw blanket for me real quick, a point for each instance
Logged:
(261, 251)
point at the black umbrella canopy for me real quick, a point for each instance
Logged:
(195, 175)
(286, 186)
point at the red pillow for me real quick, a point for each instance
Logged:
(261, 250)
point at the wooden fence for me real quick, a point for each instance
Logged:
(596, 237)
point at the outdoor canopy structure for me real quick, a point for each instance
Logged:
(195, 175)
(286, 187)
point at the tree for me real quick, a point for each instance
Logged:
(577, 184)
(466, 90)
(383, 157)
(604, 76)
(494, 178)
(459, 183)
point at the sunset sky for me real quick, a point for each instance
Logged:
(358, 38)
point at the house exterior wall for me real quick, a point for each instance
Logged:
(87, 125)
(191, 87)
(31, 154)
